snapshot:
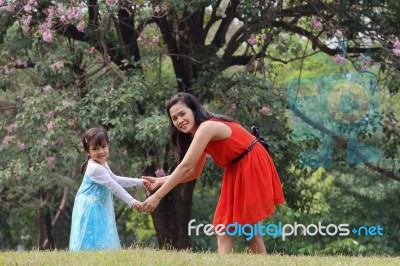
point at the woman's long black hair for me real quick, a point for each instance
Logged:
(181, 141)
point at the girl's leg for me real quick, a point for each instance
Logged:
(225, 244)
(256, 244)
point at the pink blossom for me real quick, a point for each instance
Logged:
(265, 110)
(50, 114)
(57, 65)
(155, 39)
(19, 62)
(141, 37)
(396, 45)
(264, 36)
(81, 26)
(338, 59)
(60, 10)
(17, 177)
(160, 173)
(396, 52)
(50, 125)
(43, 28)
(28, 8)
(66, 103)
(69, 15)
(267, 2)
(338, 33)
(111, 2)
(51, 160)
(232, 110)
(99, 59)
(157, 9)
(6, 70)
(11, 128)
(9, 8)
(63, 19)
(92, 51)
(223, 15)
(252, 40)
(47, 36)
(20, 145)
(47, 89)
(257, 4)
(315, 23)
(125, 153)
(30, 168)
(7, 139)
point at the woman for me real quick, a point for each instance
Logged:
(250, 186)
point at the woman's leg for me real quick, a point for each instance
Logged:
(256, 244)
(225, 244)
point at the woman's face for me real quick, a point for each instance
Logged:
(183, 118)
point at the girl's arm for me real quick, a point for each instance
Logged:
(125, 181)
(128, 181)
(102, 176)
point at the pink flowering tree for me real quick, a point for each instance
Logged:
(67, 65)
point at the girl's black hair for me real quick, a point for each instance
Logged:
(96, 136)
(181, 141)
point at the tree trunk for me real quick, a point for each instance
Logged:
(172, 216)
(45, 241)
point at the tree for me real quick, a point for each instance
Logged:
(218, 50)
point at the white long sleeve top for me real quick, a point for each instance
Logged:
(102, 174)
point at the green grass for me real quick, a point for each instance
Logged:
(138, 256)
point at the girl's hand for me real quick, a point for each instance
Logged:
(138, 205)
(150, 203)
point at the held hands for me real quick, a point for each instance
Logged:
(152, 182)
(150, 203)
(149, 184)
(138, 205)
(148, 206)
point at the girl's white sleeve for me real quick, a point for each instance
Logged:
(128, 181)
(104, 177)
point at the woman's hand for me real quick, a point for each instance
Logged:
(152, 183)
(150, 203)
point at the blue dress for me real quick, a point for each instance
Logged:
(93, 224)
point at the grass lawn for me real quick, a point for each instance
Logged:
(136, 256)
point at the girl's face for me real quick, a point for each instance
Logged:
(99, 153)
(183, 118)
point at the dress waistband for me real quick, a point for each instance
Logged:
(244, 152)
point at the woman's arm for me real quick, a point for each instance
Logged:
(156, 182)
(196, 172)
(194, 159)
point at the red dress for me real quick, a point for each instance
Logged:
(251, 186)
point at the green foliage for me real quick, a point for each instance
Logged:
(40, 151)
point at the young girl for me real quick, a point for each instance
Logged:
(250, 187)
(93, 218)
